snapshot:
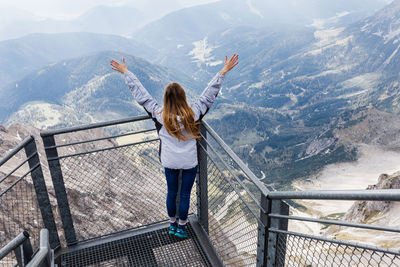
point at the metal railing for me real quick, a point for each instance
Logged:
(107, 177)
(232, 202)
(105, 185)
(108, 180)
(44, 257)
(24, 202)
(22, 248)
(291, 248)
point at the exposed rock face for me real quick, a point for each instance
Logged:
(368, 211)
(371, 126)
(383, 213)
(318, 145)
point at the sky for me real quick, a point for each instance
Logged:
(64, 9)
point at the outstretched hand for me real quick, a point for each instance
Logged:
(229, 64)
(118, 66)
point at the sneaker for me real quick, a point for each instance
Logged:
(181, 232)
(172, 228)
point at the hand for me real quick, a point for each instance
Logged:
(229, 64)
(118, 66)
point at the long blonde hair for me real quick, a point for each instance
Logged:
(175, 105)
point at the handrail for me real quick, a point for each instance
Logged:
(13, 244)
(44, 255)
(236, 159)
(92, 126)
(15, 150)
(229, 151)
(99, 139)
(336, 222)
(377, 195)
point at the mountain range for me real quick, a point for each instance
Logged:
(85, 87)
(287, 109)
(21, 57)
(100, 19)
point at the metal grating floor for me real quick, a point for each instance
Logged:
(155, 248)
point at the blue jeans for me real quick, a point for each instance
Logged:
(188, 177)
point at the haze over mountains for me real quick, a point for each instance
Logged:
(308, 73)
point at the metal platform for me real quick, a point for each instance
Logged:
(151, 246)
(110, 199)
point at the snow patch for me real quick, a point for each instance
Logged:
(378, 33)
(325, 37)
(391, 34)
(338, 70)
(226, 32)
(366, 81)
(253, 9)
(322, 23)
(179, 46)
(40, 72)
(236, 86)
(387, 61)
(202, 53)
(258, 85)
(154, 78)
(215, 63)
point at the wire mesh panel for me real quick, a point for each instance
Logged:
(233, 203)
(115, 188)
(232, 226)
(296, 250)
(19, 208)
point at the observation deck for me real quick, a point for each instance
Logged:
(94, 195)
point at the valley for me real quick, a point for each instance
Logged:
(289, 109)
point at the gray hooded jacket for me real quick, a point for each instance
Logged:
(175, 153)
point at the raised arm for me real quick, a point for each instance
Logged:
(140, 93)
(207, 98)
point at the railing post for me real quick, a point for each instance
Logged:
(277, 207)
(267, 241)
(202, 181)
(28, 251)
(59, 188)
(41, 193)
(263, 231)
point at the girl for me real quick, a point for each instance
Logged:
(177, 126)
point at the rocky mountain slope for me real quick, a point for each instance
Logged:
(332, 74)
(200, 21)
(288, 109)
(384, 213)
(84, 89)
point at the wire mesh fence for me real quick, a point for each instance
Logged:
(117, 187)
(232, 226)
(297, 250)
(19, 208)
(114, 182)
(234, 207)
